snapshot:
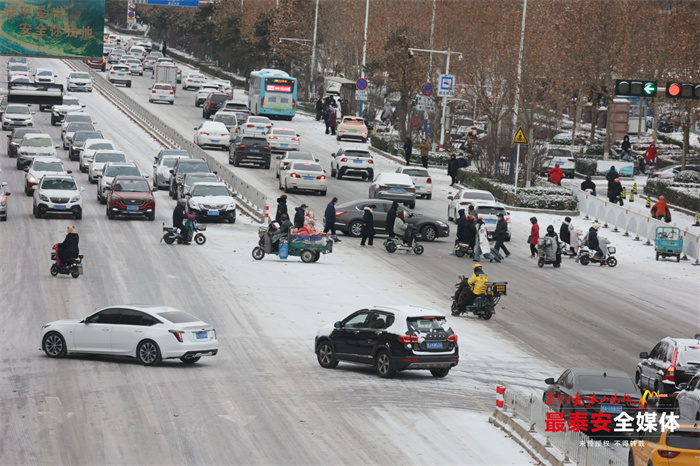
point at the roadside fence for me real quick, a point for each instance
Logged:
(252, 199)
(642, 226)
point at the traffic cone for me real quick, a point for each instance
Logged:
(634, 188)
(648, 202)
(697, 221)
(632, 196)
(624, 193)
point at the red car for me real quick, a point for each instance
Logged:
(131, 196)
(98, 63)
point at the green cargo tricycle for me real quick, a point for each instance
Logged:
(668, 242)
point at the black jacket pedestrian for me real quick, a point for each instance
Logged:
(453, 167)
(501, 231)
(281, 209)
(593, 239)
(612, 174)
(615, 191)
(408, 148)
(391, 217)
(368, 222)
(329, 215)
(565, 233)
(466, 231)
(319, 105)
(299, 217)
(179, 217)
(69, 249)
(589, 184)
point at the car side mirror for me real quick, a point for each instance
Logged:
(278, 157)
(194, 128)
(69, 171)
(83, 106)
(108, 188)
(549, 381)
(26, 170)
(644, 355)
(333, 155)
(9, 136)
(214, 173)
(450, 197)
(683, 386)
(56, 146)
(338, 324)
(172, 171)
(82, 190)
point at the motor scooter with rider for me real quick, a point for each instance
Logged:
(477, 295)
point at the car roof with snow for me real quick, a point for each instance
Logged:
(389, 177)
(36, 136)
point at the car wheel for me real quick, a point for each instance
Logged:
(384, 365)
(412, 205)
(340, 176)
(450, 217)
(110, 213)
(286, 188)
(151, 216)
(190, 360)
(355, 228)
(148, 353)
(429, 196)
(440, 373)
(128, 84)
(323, 193)
(307, 256)
(326, 355)
(267, 166)
(54, 345)
(333, 173)
(429, 232)
(38, 211)
(78, 214)
(638, 380)
(258, 253)
(236, 162)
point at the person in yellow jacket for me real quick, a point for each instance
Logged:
(476, 287)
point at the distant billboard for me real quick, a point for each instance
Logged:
(56, 28)
(184, 3)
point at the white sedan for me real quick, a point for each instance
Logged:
(79, 81)
(293, 156)
(306, 176)
(147, 333)
(256, 126)
(162, 93)
(212, 133)
(283, 139)
(193, 81)
(421, 180)
(462, 200)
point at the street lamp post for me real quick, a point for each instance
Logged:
(313, 56)
(449, 53)
(364, 50)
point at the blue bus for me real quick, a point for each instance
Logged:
(272, 93)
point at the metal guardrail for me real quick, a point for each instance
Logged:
(642, 225)
(254, 200)
(574, 445)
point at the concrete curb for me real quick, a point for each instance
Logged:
(545, 454)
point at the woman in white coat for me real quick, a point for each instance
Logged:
(483, 238)
(400, 225)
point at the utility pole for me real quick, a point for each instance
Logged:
(432, 31)
(313, 55)
(516, 106)
(449, 53)
(364, 50)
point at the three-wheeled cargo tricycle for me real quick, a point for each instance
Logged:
(668, 242)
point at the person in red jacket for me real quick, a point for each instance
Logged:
(534, 236)
(555, 175)
(650, 154)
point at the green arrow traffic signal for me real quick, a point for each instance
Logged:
(629, 87)
(650, 88)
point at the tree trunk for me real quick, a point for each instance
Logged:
(594, 120)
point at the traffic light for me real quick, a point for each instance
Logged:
(682, 90)
(632, 88)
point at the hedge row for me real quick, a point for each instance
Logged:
(536, 197)
(394, 148)
(687, 198)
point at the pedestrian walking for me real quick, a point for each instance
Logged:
(329, 218)
(555, 175)
(534, 236)
(299, 216)
(390, 217)
(565, 233)
(164, 48)
(650, 154)
(407, 149)
(611, 175)
(552, 234)
(333, 120)
(326, 115)
(368, 226)
(319, 108)
(453, 169)
(615, 192)
(424, 150)
(281, 208)
(482, 241)
(500, 235)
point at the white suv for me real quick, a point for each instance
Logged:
(58, 194)
(352, 162)
(91, 146)
(161, 92)
(79, 81)
(120, 74)
(100, 159)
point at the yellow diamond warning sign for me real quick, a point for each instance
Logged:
(520, 136)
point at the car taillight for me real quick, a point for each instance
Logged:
(177, 333)
(262, 102)
(295, 139)
(172, 92)
(430, 181)
(339, 213)
(203, 133)
(370, 161)
(668, 453)
(241, 146)
(572, 160)
(154, 91)
(294, 175)
(344, 159)
(225, 134)
(322, 177)
(656, 175)
(266, 147)
(452, 338)
(408, 339)
(464, 203)
(129, 73)
(251, 126)
(670, 375)
(383, 187)
(273, 137)
(268, 126)
(294, 104)
(410, 189)
(189, 80)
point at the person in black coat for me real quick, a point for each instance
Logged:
(552, 234)
(69, 249)
(299, 216)
(588, 184)
(612, 174)
(391, 217)
(368, 226)
(329, 217)
(407, 150)
(593, 242)
(615, 192)
(466, 230)
(453, 169)
(281, 208)
(500, 234)
(179, 218)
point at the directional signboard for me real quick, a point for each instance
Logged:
(446, 86)
(427, 89)
(520, 136)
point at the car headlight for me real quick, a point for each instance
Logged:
(31, 179)
(442, 224)
(44, 198)
(231, 206)
(75, 198)
(150, 199)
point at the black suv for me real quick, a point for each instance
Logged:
(672, 361)
(392, 339)
(250, 149)
(183, 166)
(79, 138)
(14, 139)
(213, 103)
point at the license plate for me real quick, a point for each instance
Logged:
(357, 161)
(417, 188)
(81, 87)
(132, 207)
(161, 97)
(353, 131)
(212, 212)
(17, 122)
(308, 177)
(259, 127)
(201, 335)
(255, 150)
(397, 189)
(611, 409)
(489, 221)
(215, 141)
(434, 345)
(59, 207)
(120, 75)
(284, 145)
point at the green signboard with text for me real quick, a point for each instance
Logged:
(57, 28)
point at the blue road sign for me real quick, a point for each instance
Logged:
(427, 89)
(361, 84)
